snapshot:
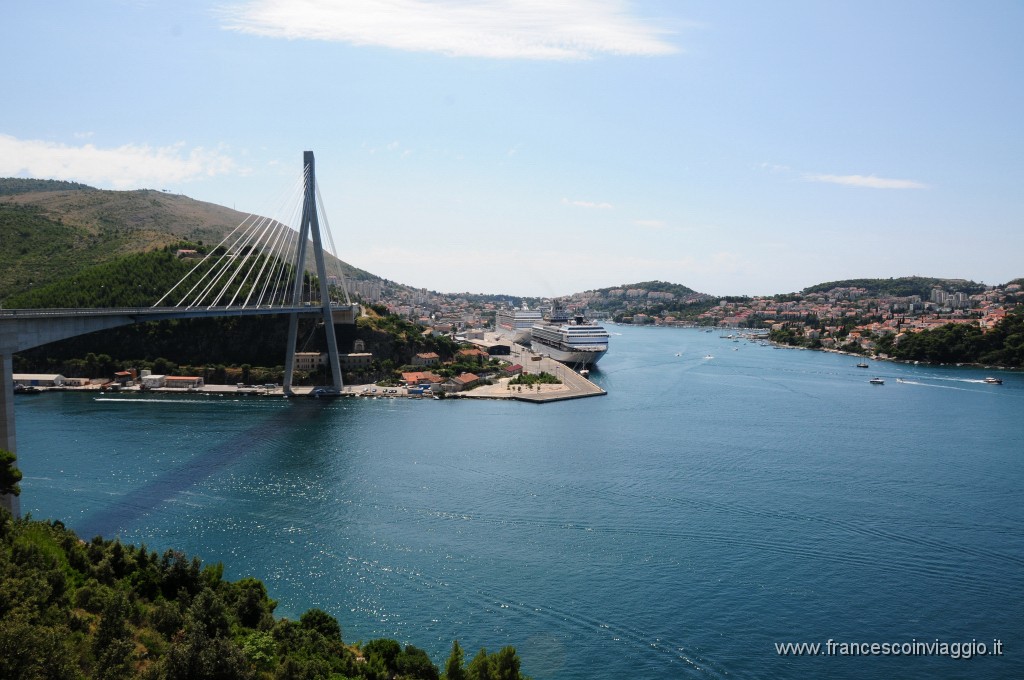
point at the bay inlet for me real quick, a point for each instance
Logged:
(721, 498)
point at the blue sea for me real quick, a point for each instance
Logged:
(723, 499)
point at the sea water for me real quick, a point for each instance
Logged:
(725, 498)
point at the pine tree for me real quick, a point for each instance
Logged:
(9, 474)
(454, 668)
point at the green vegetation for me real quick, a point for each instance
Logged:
(70, 609)
(18, 185)
(542, 378)
(788, 335)
(1003, 345)
(659, 286)
(953, 343)
(36, 249)
(900, 287)
(9, 475)
(393, 342)
(136, 280)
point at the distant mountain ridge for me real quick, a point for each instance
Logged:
(656, 286)
(18, 185)
(903, 286)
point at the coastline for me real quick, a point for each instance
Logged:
(573, 386)
(907, 362)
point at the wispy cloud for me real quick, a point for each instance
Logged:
(497, 29)
(649, 224)
(587, 204)
(866, 181)
(775, 168)
(124, 167)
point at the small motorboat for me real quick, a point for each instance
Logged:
(993, 381)
(876, 381)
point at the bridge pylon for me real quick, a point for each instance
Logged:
(7, 439)
(310, 228)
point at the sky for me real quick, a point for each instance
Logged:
(545, 147)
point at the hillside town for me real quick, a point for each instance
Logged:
(833, 318)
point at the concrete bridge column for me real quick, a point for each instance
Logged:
(10, 503)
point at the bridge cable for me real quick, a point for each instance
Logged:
(334, 249)
(269, 256)
(247, 245)
(200, 263)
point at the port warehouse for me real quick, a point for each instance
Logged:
(57, 380)
(41, 380)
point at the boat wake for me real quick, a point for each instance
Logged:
(136, 400)
(940, 387)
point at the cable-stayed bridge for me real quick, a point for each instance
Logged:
(264, 266)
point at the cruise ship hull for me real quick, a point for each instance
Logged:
(574, 357)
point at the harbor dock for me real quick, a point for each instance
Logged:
(573, 386)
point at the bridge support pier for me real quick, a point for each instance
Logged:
(7, 440)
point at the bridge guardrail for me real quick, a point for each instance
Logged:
(156, 311)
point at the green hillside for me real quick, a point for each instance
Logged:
(50, 230)
(685, 304)
(678, 289)
(136, 280)
(900, 287)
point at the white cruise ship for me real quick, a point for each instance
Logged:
(516, 324)
(573, 341)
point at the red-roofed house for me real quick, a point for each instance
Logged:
(477, 355)
(425, 359)
(421, 378)
(463, 382)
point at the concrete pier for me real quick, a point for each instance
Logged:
(574, 385)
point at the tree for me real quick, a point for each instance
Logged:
(321, 622)
(112, 645)
(385, 650)
(252, 606)
(9, 474)
(480, 667)
(415, 664)
(505, 664)
(453, 668)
